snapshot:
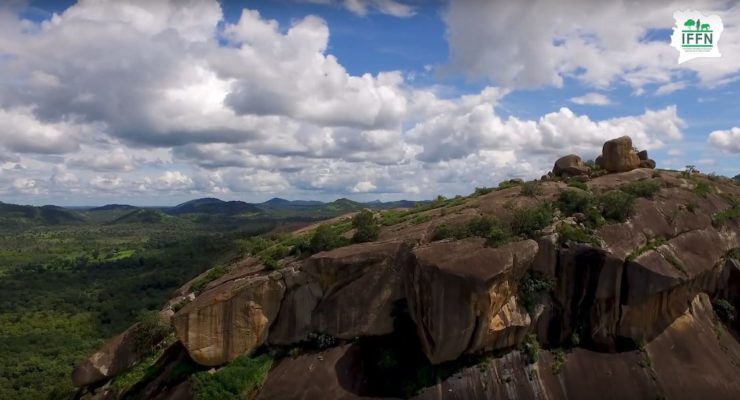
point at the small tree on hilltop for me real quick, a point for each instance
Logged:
(366, 228)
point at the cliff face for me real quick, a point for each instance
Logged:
(633, 305)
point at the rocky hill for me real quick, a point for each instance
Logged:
(612, 280)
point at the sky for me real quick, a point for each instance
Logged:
(158, 102)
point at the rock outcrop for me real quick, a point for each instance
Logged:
(570, 165)
(618, 155)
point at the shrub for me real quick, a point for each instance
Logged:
(734, 253)
(366, 228)
(486, 226)
(531, 348)
(531, 189)
(151, 329)
(531, 287)
(479, 191)
(527, 221)
(442, 231)
(180, 304)
(558, 361)
(702, 189)
(237, 380)
(199, 285)
(569, 233)
(725, 310)
(650, 245)
(646, 189)
(509, 184)
(321, 341)
(578, 184)
(324, 238)
(721, 218)
(574, 201)
(616, 205)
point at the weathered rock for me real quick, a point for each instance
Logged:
(599, 161)
(570, 165)
(647, 164)
(293, 322)
(642, 155)
(360, 284)
(618, 155)
(230, 319)
(332, 374)
(456, 289)
(114, 356)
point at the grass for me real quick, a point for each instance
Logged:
(531, 189)
(724, 217)
(703, 189)
(650, 245)
(239, 379)
(646, 188)
(199, 285)
(558, 361)
(570, 233)
(578, 185)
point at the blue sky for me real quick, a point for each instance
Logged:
(160, 102)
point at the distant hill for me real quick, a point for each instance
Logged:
(18, 215)
(213, 206)
(737, 178)
(278, 203)
(142, 216)
(114, 207)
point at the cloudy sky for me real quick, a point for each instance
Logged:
(157, 102)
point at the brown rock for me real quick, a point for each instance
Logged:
(570, 165)
(114, 356)
(457, 290)
(230, 319)
(642, 155)
(599, 161)
(618, 155)
(360, 285)
(302, 294)
(647, 164)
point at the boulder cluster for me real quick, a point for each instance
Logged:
(617, 155)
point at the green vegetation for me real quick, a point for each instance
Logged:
(366, 228)
(691, 206)
(151, 329)
(558, 361)
(531, 189)
(578, 184)
(527, 221)
(531, 348)
(199, 285)
(509, 184)
(570, 233)
(734, 253)
(644, 360)
(616, 205)
(703, 189)
(325, 238)
(480, 191)
(486, 226)
(574, 201)
(531, 288)
(650, 245)
(646, 188)
(320, 341)
(725, 310)
(724, 217)
(237, 380)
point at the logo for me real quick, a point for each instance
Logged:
(696, 35)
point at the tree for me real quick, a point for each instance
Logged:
(324, 238)
(689, 23)
(366, 228)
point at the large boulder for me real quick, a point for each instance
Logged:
(230, 319)
(618, 155)
(460, 296)
(647, 164)
(115, 356)
(360, 285)
(570, 165)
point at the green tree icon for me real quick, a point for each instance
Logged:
(689, 23)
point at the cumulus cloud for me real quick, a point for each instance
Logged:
(124, 98)
(362, 7)
(727, 140)
(596, 99)
(542, 42)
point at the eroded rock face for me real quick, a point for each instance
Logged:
(570, 165)
(456, 292)
(360, 284)
(619, 156)
(231, 319)
(114, 356)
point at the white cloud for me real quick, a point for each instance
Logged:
(669, 88)
(596, 42)
(593, 98)
(363, 7)
(727, 140)
(363, 187)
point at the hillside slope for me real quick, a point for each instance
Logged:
(619, 281)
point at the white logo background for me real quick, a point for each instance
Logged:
(716, 26)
